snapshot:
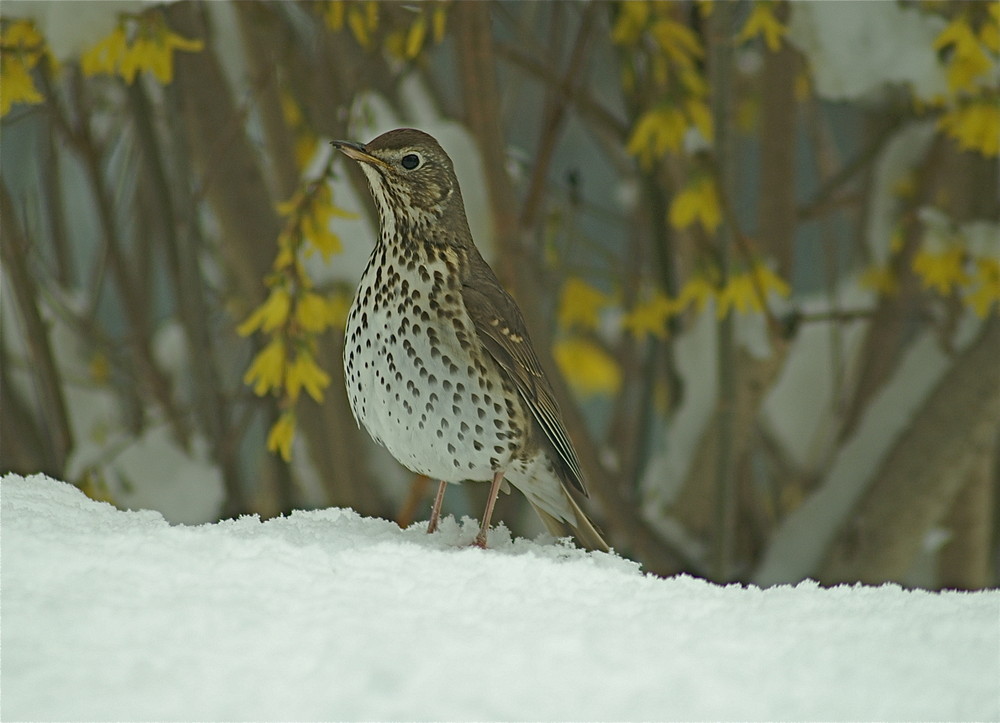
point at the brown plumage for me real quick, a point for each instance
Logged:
(439, 365)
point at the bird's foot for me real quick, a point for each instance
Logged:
(480, 541)
(436, 510)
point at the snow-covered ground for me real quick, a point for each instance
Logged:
(112, 615)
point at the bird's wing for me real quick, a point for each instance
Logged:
(503, 333)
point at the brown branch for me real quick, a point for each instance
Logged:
(133, 300)
(181, 252)
(15, 252)
(480, 94)
(776, 218)
(554, 117)
(827, 192)
(720, 74)
(916, 484)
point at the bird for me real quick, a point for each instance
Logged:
(438, 364)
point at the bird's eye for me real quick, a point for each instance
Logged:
(410, 161)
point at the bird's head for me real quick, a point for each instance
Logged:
(412, 180)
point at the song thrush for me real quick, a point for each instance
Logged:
(437, 359)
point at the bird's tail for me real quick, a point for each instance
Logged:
(583, 529)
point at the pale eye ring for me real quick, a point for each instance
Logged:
(410, 161)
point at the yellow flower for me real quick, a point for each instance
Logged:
(371, 14)
(269, 315)
(697, 290)
(415, 37)
(316, 222)
(338, 306)
(141, 54)
(630, 22)
(968, 59)
(279, 439)
(359, 27)
(267, 371)
(762, 21)
(650, 317)
(986, 285)
(880, 279)
(164, 71)
(747, 291)
(395, 44)
(333, 14)
(694, 83)
(151, 50)
(587, 367)
(312, 312)
(305, 147)
(701, 116)
(316, 228)
(698, 202)
(16, 85)
(23, 47)
(439, 19)
(22, 34)
(738, 294)
(305, 373)
(286, 208)
(767, 281)
(580, 304)
(678, 42)
(657, 131)
(976, 127)
(941, 270)
(989, 32)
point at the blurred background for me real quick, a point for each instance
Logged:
(757, 243)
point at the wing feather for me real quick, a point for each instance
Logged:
(503, 333)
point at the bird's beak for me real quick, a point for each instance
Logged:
(357, 152)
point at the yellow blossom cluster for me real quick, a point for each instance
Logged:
(21, 49)
(948, 265)
(294, 313)
(698, 202)
(763, 22)
(580, 304)
(745, 292)
(970, 44)
(309, 213)
(588, 368)
(983, 291)
(975, 126)
(407, 44)
(147, 44)
(673, 54)
(953, 270)
(362, 19)
(305, 140)
(941, 270)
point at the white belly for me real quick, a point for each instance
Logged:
(413, 376)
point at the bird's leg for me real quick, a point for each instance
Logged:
(436, 509)
(492, 500)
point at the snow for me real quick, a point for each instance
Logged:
(326, 615)
(849, 54)
(804, 537)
